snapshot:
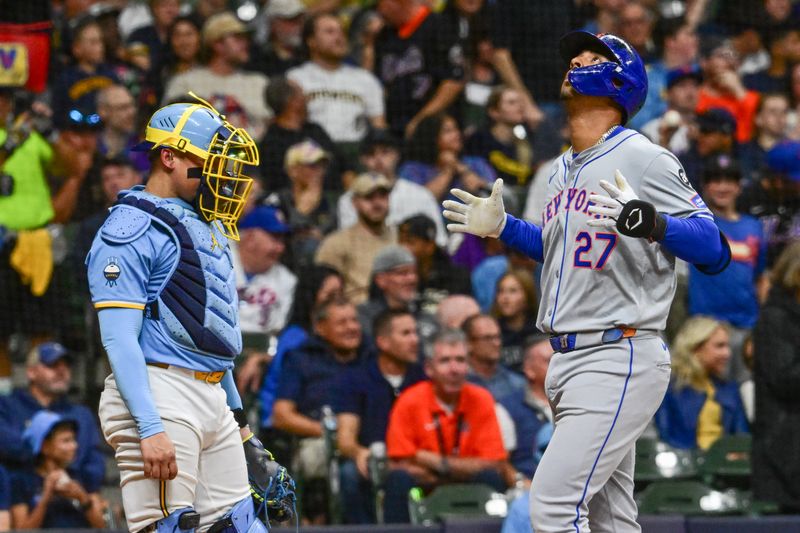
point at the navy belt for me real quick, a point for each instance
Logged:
(567, 342)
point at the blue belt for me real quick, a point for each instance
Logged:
(567, 342)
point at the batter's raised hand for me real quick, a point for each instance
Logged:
(158, 455)
(484, 217)
(624, 211)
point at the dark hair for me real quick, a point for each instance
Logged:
(466, 327)
(278, 92)
(78, 25)
(777, 34)
(424, 144)
(305, 295)
(310, 26)
(382, 325)
(116, 161)
(192, 19)
(321, 311)
(667, 28)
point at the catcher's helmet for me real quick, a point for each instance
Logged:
(623, 79)
(226, 151)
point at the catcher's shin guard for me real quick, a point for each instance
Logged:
(240, 519)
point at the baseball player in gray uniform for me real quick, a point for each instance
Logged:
(618, 211)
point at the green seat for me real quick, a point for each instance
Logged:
(456, 499)
(656, 460)
(727, 462)
(691, 498)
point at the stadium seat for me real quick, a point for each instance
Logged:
(691, 498)
(457, 499)
(727, 462)
(656, 460)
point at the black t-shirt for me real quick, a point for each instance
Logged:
(765, 83)
(266, 61)
(530, 29)
(510, 161)
(412, 68)
(277, 142)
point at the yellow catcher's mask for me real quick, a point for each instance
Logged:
(226, 151)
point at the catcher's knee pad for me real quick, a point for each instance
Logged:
(181, 521)
(240, 519)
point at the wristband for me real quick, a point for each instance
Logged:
(240, 417)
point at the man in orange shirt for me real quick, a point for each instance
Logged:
(723, 87)
(442, 431)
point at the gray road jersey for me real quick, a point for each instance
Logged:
(594, 279)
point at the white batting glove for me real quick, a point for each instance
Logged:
(611, 207)
(484, 217)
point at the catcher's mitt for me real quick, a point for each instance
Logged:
(271, 486)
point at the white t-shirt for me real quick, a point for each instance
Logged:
(679, 142)
(239, 96)
(341, 101)
(265, 300)
(406, 199)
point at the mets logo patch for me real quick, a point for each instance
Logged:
(112, 271)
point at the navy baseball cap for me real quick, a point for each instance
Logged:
(679, 74)
(721, 166)
(716, 120)
(419, 226)
(268, 218)
(47, 353)
(41, 426)
(784, 158)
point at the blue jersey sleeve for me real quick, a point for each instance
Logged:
(232, 393)
(119, 273)
(119, 331)
(699, 241)
(524, 236)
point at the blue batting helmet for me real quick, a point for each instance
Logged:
(623, 78)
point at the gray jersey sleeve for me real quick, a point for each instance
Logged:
(666, 185)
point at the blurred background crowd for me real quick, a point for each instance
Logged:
(359, 310)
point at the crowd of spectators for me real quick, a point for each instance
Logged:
(359, 310)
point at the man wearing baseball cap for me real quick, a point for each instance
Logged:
(279, 34)
(716, 130)
(351, 251)
(265, 286)
(671, 129)
(49, 377)
(307, 208)
(775, 200)
(732, 295)
(236, 93)
(381, 152)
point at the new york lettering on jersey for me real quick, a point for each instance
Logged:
(579, 256)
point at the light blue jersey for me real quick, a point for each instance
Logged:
(133, 260)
